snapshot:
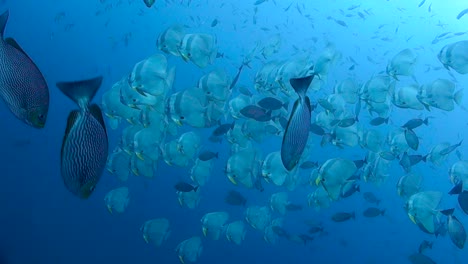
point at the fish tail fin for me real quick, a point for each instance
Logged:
(426, 121)
(196, 188)
(458, 96)
(300, 85)
(358, 188)
(382, 212)
(3, 22)
(448, 212)
(81, 92)
(424, 158)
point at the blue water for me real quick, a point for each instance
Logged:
(41, 222)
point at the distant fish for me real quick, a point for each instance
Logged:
(455, 228)
(235, 198)
(149, 3)
(256, 113)
(411, 139)
(422, 3)
(419, 258)
(297, 131)
(373, 212)
(425, 245)
(343, 216)
(462, 13)
(415, 123)
(207, 155)
(316, 129)
(85, 143)
(449, 149)
(214, 22)
(378, 121)
(22, 86)
(222, 129)
(258, 2)
(185, 187)
(271, 103)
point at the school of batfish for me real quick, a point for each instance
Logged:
(286, 101)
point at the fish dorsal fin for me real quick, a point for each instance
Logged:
(448, 212)
(3, 22)
(301, 85)
(81, 92)
(97, 113)
(72, 117)
(15, 44)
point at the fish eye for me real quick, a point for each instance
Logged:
(189, 54)
(182, 118)
(134, 100)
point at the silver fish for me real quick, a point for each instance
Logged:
(297, 130)
(85, 144)
(22, 86)
(456, 230)
(411, 139)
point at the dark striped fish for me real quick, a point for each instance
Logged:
(297, 130)
(85, 145)
(22, 86)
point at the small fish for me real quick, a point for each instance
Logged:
(371, 198)
(222, 129)
(316, 229)
(341, 23)
(343, 216)
(373, 212)
(456, 230)
(351, 68)
(449, 150)
(347, 122)
(462, 13)
(411, 139)
(415, 123)
(271, 103)
(316, 129)
(85, 144)
(297, 131)
(280, 231)
(207, 155)
(387, 155)
(214, 22)
(22, 85)
(245, 91)
(185, 187)
(422, 3)
(419, 258)
(349, 188)
(149, 3)
(378, 121)
(258, 2)
(235, 198)
(257, 113)
(425, 245)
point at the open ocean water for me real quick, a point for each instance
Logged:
(42, 222)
